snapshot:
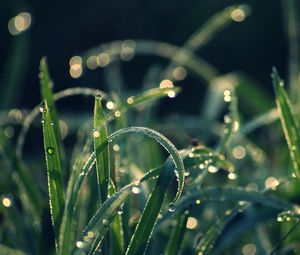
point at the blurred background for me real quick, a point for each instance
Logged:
(62, 29)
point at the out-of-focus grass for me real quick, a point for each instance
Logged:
(114, 190)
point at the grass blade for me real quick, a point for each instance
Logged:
(102, 158)
(151, 95)
(178, 231)
(54, 170)
(98, 226)
(117, 233)
(288, 121)
(144, 228)
(47, 95)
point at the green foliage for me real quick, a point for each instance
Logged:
(120, 187)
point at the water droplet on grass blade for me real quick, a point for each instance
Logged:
(172, 207)
(50, 150)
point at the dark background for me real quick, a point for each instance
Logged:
(62, 29)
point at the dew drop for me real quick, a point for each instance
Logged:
(105, 222)
(279, 219)
(52, 123)
(42, 121)
(172, 207)
(50, 150)
(136, 189)
(42, 108)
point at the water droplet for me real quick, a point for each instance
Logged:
(42, 121)
(136, 189)
(98, 95)
(279, 219)
(79, 244)
(198, 201)
(105, 222)
(42, 108)
(52, 123)
(172, 207)
(50, 150)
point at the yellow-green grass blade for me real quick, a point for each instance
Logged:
(143, 231)
(47, 95)
(151, 95)
(54, 170)
(102, 158)
(288, 122)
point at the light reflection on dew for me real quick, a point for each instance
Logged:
(239, 152)
(110, 105)
(6, 202)
(166, 84)
(103, 59)
(19, 23)
(271, 183)
(179, 73)
(191, 223)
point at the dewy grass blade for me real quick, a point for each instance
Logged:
(152, 94)
(54, 171)
(164, 142)
(102, 158)
(144, 229)
(47, 95)
(98, 226)
(288, 121)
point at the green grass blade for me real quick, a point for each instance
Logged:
(227, 194)
(151, 95)
(98, 226)
(54, 170)
(144, 228)
(177, 234)
(47, 95)
(288, 122)
(102, 158)
(117, 234)
(164, 142)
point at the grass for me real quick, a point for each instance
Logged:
(125, 188)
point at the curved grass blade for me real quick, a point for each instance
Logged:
(102, 158)
(75, 91)
(196, 65)
(288, 121)
(98, 226)
(105, 213)
(225, 194)
(144, 228)
(54, 171)
(47, 95)
(206, 32)
(177, 234)
(163, 141)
